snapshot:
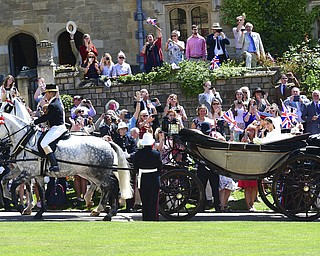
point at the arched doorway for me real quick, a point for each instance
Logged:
(65, 53)
(22, 52)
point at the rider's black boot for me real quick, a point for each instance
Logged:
(54, 165)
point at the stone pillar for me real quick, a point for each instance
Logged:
(23, 82)
(46, 66)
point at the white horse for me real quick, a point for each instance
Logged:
(89, 157)
(16, 107)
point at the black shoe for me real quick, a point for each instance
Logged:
(130, 210)
(54, 168)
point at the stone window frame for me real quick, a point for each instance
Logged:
(204, 29)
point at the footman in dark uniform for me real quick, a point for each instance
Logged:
(147, 162)
(55, 118)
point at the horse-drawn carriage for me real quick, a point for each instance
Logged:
(288, 169)
(290, 166)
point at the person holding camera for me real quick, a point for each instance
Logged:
(173, 104)
(175, 47)
(208, 96)
(252, 46)
(92, 69)
(216, 44)
(8, 90)
(87, 47)
(83, 104)
(283, 89)
(106, 65)
(238, 109)
(237, 34)
(297, 101)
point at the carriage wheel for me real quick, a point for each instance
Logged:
(265, 192)
(296, 187)
(181, 195)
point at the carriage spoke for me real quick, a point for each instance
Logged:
(185, 192)
(296, 187)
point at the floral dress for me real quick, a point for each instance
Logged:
(175, 54)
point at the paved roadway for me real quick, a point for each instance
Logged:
(126, 217)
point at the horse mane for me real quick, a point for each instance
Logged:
(15, 119)
(123, 175)
(21, 110)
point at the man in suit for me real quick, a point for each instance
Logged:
(311, 114)
(147, 162)
(55, 118)
(216, 44)
(297, 101)
(252, 46)
(282, 90)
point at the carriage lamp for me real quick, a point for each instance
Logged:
(173, 127)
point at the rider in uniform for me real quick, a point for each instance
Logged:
(55, 118)
(147, 162)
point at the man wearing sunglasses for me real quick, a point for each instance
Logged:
(237, 33)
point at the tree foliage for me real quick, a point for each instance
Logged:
(280, 23)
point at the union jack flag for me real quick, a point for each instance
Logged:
(289, 116)
(151, 21)
(215, 63)
(229, 118)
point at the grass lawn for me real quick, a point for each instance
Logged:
(162, 238)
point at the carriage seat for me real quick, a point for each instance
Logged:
(285, 145)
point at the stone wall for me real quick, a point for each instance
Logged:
(124, 93)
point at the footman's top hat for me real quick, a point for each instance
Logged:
(51, 88)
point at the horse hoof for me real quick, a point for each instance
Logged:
(90, 205)
(26, 212)
(94, 214)
(107, 218)
(20, 208)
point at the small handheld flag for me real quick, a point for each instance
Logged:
(215, 63)
(152, 22)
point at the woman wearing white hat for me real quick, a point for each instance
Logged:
(147, 162)
(129, 147)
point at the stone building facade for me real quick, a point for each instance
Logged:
(113, 25)
(34, 41)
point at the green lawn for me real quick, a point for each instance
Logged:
(162, 238)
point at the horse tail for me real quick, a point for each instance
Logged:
(123, 175)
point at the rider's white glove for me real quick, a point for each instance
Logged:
(126, 154)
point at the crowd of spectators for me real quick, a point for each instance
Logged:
(255, 119)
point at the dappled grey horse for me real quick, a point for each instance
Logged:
(89, 157)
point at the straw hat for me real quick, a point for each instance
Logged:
(216, 26)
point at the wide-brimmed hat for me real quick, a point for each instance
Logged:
(78, 97)
(112, 102)
(51, 88)
(258, 89)
(216, 25)
(147, 139)
(122, 125)
(206, 128)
